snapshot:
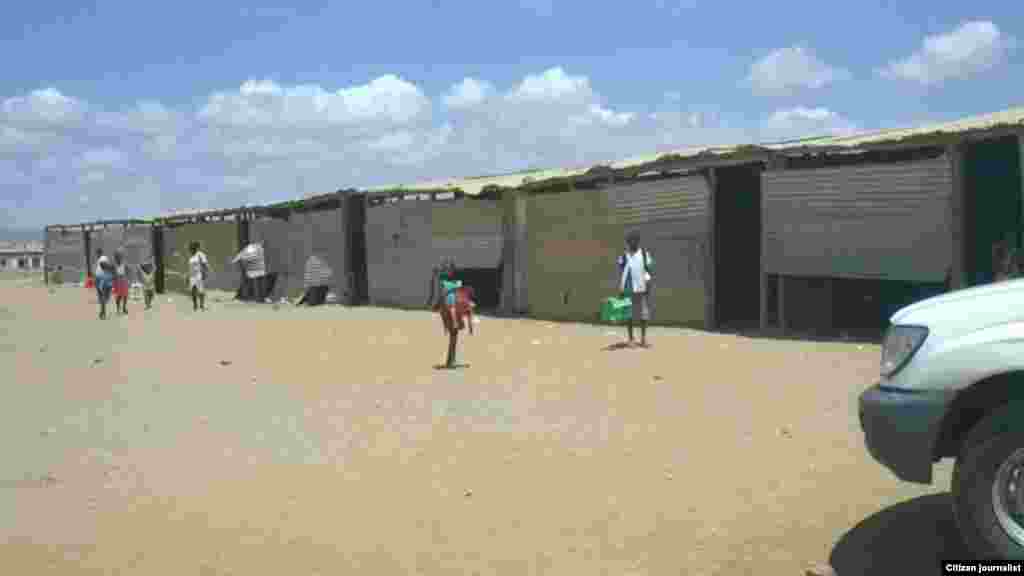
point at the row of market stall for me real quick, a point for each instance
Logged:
(824, 232)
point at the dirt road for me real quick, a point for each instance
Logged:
(249, 440)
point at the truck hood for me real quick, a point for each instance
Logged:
(967, 310)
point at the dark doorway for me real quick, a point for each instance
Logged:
(355, 209)
(737, 250)
(157, 235)
(992, 203)
(486, 285)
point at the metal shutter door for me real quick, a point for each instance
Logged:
(886, 221)
(67, 250)
(468, 230)
(672, 218)
(400, 253)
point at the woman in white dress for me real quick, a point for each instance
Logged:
(198, 272)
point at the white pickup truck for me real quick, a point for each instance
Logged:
(952, 386)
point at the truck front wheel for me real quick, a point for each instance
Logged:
(988, 495)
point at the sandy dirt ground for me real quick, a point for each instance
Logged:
(252, 440)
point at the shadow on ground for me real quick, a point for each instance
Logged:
(909, 538)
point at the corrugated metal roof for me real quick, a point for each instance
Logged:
(691, 152)
(476, 185)
(1011, 118)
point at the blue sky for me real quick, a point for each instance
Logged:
(115, 109)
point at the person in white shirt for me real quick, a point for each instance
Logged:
(636, 281)
(198, 271)
(104, 275)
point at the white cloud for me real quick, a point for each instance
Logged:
(101, 157)
(787, 70)
(93, 177)
(803, 122)
(971, 48)
(265, 141)
(467, 93)
(47, 106)
(553, 85)
(264, 103)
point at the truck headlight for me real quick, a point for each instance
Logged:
(900, 345)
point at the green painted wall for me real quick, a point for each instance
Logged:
(572, 243)
(219, 240)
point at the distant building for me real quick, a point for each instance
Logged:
(21, 256)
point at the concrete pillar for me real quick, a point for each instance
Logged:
(87, 246)
(829, 304)
(776, 163)
(958, 273)
(781, 293)
(710, 259)
(514, 253)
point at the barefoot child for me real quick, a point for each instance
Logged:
(120, 283)
(104, 281)
(199, 271)
(444, 297)
(147, 272)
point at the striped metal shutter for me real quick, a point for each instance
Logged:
(468, 230)
(400, 252)
(66, 249)
(672, 218)
(408, 238)
(885, 221)
(329, 243)
(109, 239)
(137, 243)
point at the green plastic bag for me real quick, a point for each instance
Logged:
(616, 310)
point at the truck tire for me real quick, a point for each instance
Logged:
(988, 494)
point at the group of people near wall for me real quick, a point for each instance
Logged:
(113, 279)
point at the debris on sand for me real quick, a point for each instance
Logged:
(821, 570)
(467, 493)
(784, 432)
(97, 361)
(225, 362)
(658, 378)
(43, 348)
(49, 480)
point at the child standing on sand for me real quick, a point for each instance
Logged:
(120, 283)
(453, 303)
(199, 271)
(147, 272)
(104, 281)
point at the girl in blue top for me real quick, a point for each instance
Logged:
(444, 290)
